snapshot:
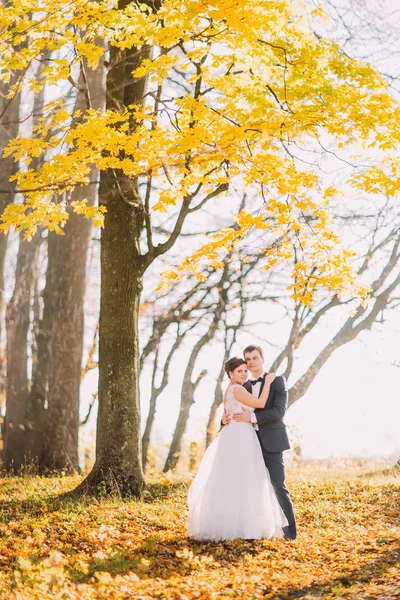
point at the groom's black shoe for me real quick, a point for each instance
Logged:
(287, 534)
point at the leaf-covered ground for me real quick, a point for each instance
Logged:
(348, 545)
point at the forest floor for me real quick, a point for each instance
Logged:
(348, 545)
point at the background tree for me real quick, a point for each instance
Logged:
(173, 324)
(69, 254)
(17, 428)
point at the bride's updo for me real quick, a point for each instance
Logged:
(232, 364)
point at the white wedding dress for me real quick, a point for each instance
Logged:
(232, 495)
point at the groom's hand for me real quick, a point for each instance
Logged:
(242, 417)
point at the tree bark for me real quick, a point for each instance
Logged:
(118, 465)
(69, 255)
(9, 125)
(189, 387)
(217, 401)
(18, 433)
(36, 402)
(157, 391)
(17, 326)
(348, 332)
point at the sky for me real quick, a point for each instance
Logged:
(352, 409)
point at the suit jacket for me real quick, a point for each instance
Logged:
(271, 428)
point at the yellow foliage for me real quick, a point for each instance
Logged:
(347, 548)
(256, 83)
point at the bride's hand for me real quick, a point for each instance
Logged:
(270, 377)
(226, 418)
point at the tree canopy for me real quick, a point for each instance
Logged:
(239, 94)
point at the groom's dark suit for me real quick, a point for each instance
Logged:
(274, 440)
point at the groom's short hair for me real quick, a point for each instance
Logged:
(251, 348)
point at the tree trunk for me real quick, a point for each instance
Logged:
(9, 109)
(218, 399)
(189, 388)
(69, 253)
(17, 325)
(187, 399)
(148, 428)
(157, 391)
(118, 465)
(36, 402)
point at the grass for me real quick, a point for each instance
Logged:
(61, 548)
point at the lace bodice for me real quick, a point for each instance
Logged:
(231, 404)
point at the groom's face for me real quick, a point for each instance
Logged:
(254, 361)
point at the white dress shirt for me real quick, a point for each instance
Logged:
(255, 390)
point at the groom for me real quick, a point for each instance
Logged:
(271, 430)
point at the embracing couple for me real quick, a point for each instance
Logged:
(239, 490)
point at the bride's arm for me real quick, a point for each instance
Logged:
(226, 418)
(245, 397)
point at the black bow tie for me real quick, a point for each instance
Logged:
(254, 381)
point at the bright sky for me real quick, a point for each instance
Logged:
(351, 409)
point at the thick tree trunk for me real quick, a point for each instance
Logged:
(17, 325)
(18, 322)
(68, 258)
(68, 255)
(118, 465)
(34, 403)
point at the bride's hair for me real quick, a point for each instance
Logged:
(233, 363)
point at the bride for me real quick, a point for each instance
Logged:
(232, 495)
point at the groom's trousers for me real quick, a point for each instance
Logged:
(276, 467)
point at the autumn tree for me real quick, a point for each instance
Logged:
(198, 103)
(18, 320)
(172, 324)
(226, 314)
(67, 288)
(42, 417)
(379, 266)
